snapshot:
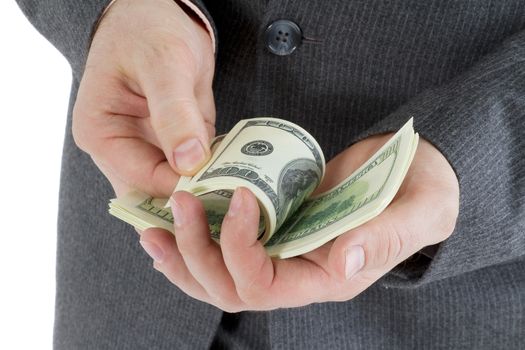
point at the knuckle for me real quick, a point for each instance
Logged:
(173, 113)
(390, 245)
(248, 293)
(249, 296)
(210, 128)
(167, 51)
(229, 308)
(256, 284)
(80, 135)
(232, 233)
(252, 293)
(185, 247)
(225, 302)
(446, 221)
(395, 245)
(185, 244)
(218, 297)
(190, 247)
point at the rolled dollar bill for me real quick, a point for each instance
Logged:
(280, 162)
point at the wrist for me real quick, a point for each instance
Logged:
(186, 6)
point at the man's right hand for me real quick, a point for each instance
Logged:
(145, 110)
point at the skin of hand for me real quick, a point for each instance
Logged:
(145, 110)
(238, 275)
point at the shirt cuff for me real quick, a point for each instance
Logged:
(203, 18)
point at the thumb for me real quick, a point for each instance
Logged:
(379, 245)
(178, 120)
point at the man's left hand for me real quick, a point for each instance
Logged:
(238, 275)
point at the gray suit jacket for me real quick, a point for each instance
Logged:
(457, 66)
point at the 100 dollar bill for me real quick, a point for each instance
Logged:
(282, 164)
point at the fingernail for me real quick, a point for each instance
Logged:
(176, 211)
(235, 203)
(189, 155)
(153, 250)
(354, 260)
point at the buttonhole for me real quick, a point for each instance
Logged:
(311, 40)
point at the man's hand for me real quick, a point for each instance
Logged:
(238, 275)
(145, 110)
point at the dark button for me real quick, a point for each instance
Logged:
(283, 37)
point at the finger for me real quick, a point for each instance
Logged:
(206, 103)
(162, 248)
(200, 253)
(131, 162)
(127, 160)
(245, 257)
(423, 213)
(120, 187)
(138, 164)
(264, 284)
(109, 123)
(104, 89)
(176, 116)
(385, 241)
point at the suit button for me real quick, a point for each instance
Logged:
(283, 37)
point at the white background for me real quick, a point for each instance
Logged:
(34, 89)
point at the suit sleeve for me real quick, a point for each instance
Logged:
(69, 25)
(477, 121)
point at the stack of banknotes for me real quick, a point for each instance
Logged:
(282, 164)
